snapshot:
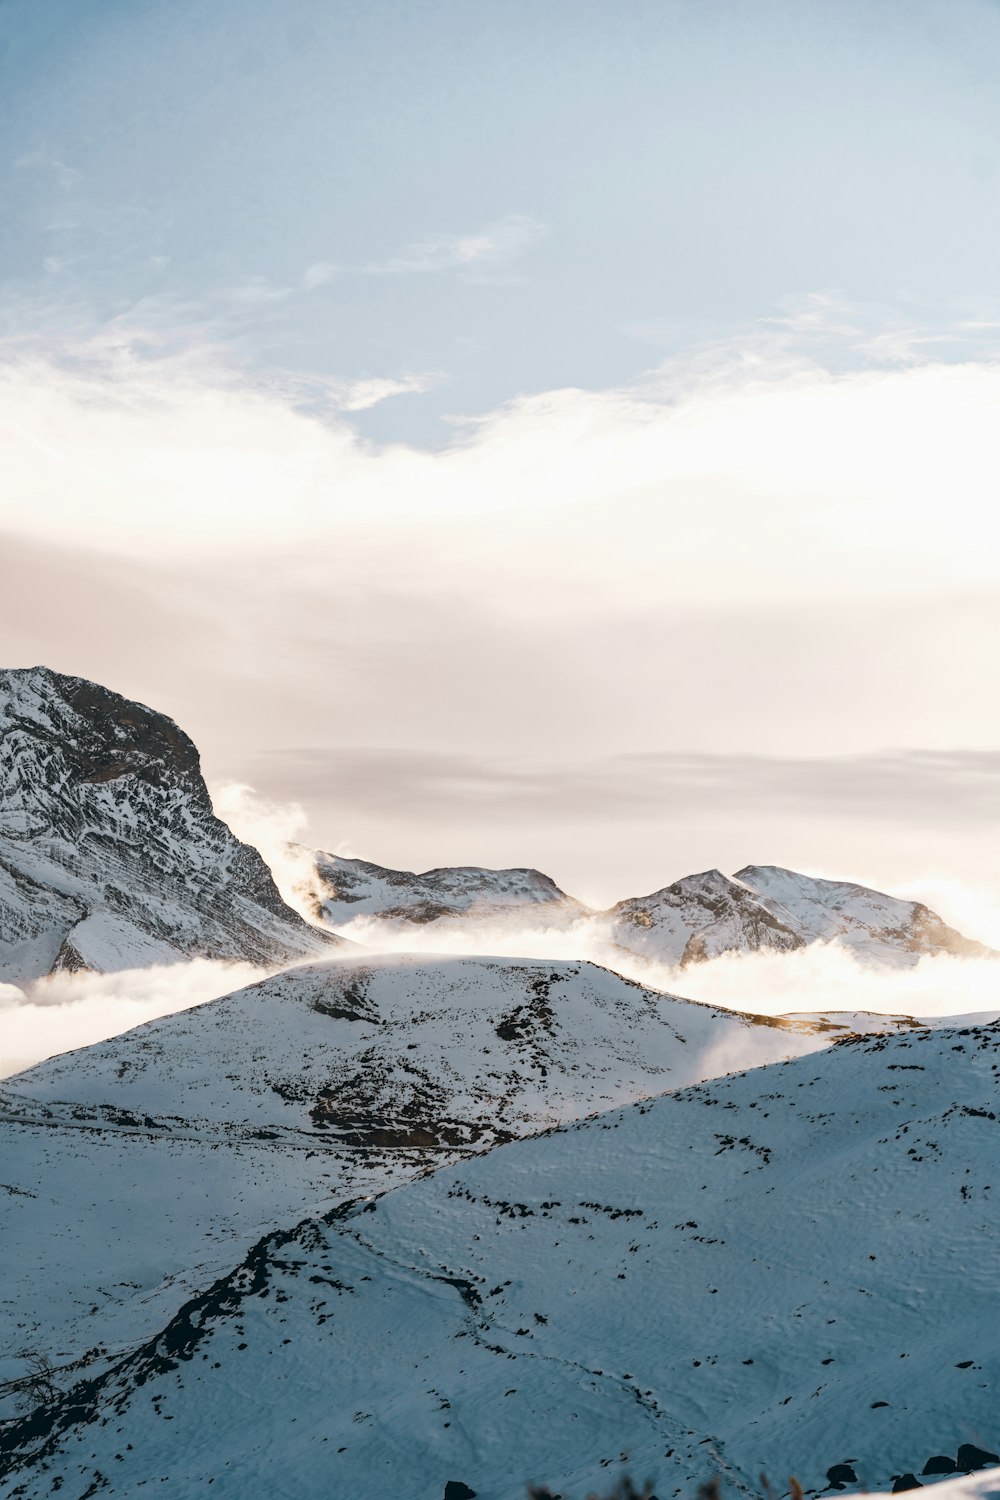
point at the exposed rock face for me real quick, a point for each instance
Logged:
(110, 853)
(700, 917)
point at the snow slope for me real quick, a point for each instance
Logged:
(764, 907)
(870, 923)
(110, 854)
(136, 1170)
(785, 1271)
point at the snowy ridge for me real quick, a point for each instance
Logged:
(854, 915)
(790, 1271)
(698, 917)
(349, 888)
(110, 854)
(703, 916)
(141, 1168)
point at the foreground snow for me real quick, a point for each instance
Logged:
(138, 1169)
(783, 1271)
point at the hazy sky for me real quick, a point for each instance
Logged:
(553, 434)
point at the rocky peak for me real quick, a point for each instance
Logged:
(110, 852)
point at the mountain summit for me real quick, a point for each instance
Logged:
(701, 916)
(349, 888)
(110, 854)
(767, 907)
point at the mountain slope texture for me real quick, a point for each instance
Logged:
(702, 916)
(110, 854)
(765, 907)
(787, 1271)
(141, 1168)
(350, 888)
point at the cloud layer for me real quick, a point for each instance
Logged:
(669, 624)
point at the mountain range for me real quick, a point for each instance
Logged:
(111, 857)
(442, 1226)
(698, 917)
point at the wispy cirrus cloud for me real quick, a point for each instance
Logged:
(361, 395)
(478, 251)
(495, 244)
(828, 327)
(65, 176)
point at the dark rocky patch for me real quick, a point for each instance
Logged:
(535, 1018)
(840, 1475)
(970, 1458)
(940, 1464)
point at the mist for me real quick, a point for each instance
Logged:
(823, 978)
(274, 829)
(66, 1011)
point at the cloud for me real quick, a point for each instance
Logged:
(701, 495)
(66, 177)
(477, 252)
(318, 274)
(496, 244)
(360, 395)
(74, 1010)
(556, 630)
(904, 785)
(822, 979)
(275, 829)
(69, 1011)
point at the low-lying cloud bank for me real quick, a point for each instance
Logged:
(822, 978)
(67, 1011)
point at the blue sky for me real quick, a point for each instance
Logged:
(437, 406)
(496, 198)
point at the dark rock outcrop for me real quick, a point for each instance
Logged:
(111, 856)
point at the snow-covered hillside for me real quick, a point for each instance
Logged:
(140, 1168)
(110, 854)
(763, 906)
(791, 1271)
(346, 889)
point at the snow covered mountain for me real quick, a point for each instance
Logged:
(855, 916)
(350, 888)
(697, 917)
(763, 906)
(789, 1271)
(110, 854)
(139, 1169)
